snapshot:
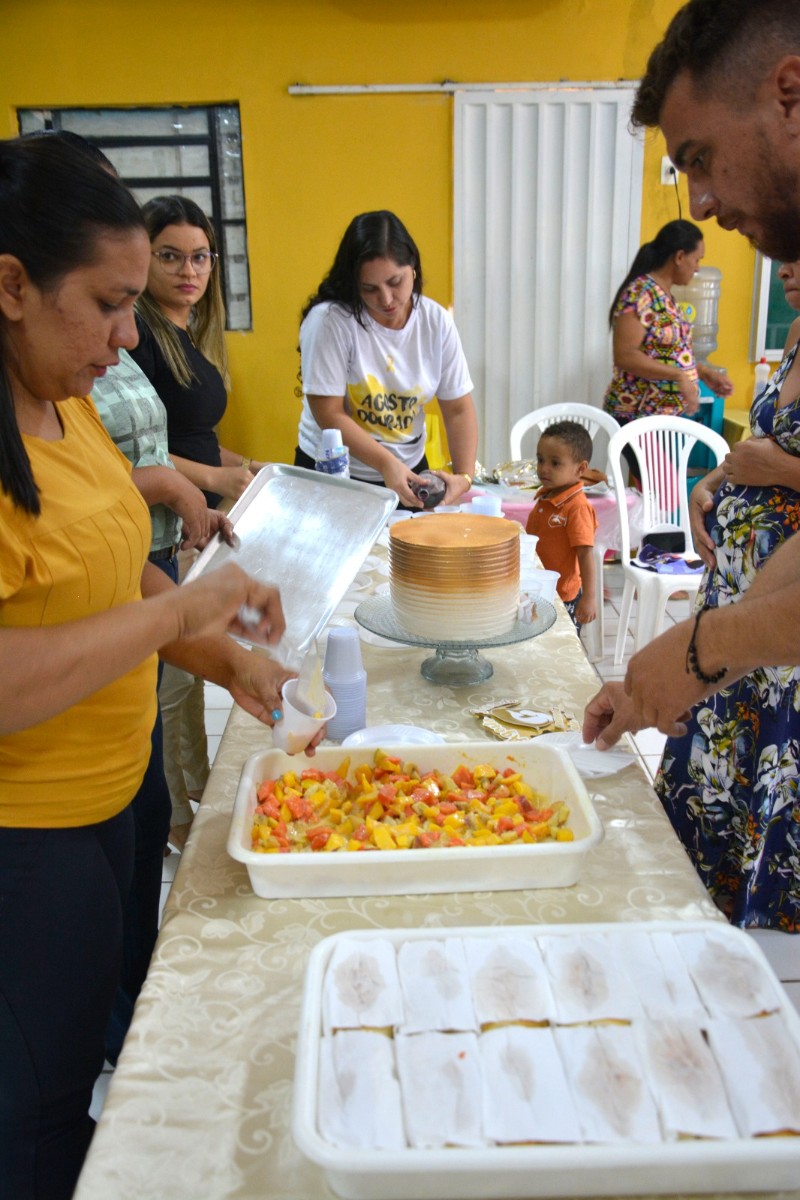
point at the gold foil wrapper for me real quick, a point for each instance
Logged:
(518, 720)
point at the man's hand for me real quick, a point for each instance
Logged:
(608, 715)
(660, 689)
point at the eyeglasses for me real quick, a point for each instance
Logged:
(173, 262)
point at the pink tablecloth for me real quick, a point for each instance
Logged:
(605, 506)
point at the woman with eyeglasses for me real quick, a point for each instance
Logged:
(83, 615)
(181, 323)
(182, 345)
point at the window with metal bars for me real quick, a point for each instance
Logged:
(188, 151)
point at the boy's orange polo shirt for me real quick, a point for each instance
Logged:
(562, 523)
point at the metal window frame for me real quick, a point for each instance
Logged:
(54, 119)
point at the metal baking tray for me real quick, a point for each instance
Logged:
(305, 533)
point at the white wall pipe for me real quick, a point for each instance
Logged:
(446, 86)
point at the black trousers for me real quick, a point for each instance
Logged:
(62, 895)
(152, 809)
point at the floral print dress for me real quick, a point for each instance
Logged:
(730, 785)
(667, 339)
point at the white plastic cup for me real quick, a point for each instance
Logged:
(527, 548)
(297, 728)
(539, 583)
(343, 654)
(490, 506)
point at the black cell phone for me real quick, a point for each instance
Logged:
(672, 541)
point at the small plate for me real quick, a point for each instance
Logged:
(398, 735)
(589, 762)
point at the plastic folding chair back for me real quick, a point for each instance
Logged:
(662, 446)
(593, 419)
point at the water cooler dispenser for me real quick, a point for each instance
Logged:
(699, 302)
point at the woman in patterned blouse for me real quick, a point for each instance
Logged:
(654, 366)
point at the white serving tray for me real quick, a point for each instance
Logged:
(414, 872)
(497, 1172)
(307, 534)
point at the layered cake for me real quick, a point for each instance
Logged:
(454, 577)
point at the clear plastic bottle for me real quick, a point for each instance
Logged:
(762, 377)
(333, 457)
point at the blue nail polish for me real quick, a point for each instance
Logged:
(277, 715)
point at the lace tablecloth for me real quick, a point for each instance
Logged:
(200, 1104)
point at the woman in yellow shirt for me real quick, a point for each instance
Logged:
(78, 647)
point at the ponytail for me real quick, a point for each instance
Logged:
(672, 237)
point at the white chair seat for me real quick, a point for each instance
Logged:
(593, 419)
(662, 446)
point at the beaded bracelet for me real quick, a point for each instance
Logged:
(692, 665)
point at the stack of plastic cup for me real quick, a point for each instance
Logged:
(345, 678)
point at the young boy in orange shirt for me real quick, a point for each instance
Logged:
(563, 519)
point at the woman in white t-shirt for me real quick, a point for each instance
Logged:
(374, 351)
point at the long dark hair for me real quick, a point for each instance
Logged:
(370, 235)
(672, 237)
(54, 204)
(207, 320)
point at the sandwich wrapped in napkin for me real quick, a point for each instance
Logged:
(519, 720)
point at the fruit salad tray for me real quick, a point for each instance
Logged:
(457, 817)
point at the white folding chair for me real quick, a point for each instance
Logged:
(662, 446)
(595, 420)
(591, 418)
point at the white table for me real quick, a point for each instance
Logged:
(200, 1102)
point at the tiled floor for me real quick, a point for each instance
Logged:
(782, 950)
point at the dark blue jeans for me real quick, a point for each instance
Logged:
(62, 895)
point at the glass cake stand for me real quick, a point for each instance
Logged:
(455, 663)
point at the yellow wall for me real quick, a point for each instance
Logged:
(311, 163)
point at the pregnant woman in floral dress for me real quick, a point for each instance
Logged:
(730, 785)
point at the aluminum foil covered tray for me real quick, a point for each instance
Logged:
(607, 1059)
(307, 534)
